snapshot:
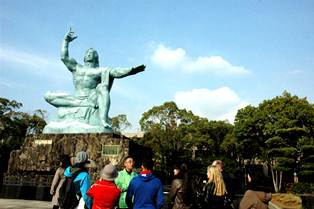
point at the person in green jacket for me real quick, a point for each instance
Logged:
(124, 178)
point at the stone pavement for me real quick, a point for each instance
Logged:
(24, 204)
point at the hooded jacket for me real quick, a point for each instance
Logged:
(123, 182)
(147, 192)
(83, 180)
(105, 194)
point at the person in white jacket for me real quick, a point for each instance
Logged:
(58, 180)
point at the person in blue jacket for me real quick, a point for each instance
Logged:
(145, 189)
(82, 179)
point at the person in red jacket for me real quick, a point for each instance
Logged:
(104, 192)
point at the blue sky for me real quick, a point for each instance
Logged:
(212, 57)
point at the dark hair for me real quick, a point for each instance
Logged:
(65, 161)
(127, 157)
(186, 181)
(148, 164)
(79, 165)
(182, 170)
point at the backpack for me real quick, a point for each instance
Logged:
(68, 192)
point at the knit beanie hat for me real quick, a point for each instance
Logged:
(81, 158)
(109, 172)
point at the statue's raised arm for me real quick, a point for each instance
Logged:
(69, 62)
(123, 72)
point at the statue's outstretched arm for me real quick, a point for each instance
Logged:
(123, 72)
(69, 62)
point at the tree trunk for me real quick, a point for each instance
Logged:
(274, 177)
(280, 180)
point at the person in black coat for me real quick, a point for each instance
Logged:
(215, 190)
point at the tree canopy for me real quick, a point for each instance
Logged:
(274, 130)
(15, 125)
(177, 135)
(279, 131)
(120, 123)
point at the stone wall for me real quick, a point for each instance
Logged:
(39, 157)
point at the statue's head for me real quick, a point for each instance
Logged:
(91, 56)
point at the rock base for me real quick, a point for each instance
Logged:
(39, 157)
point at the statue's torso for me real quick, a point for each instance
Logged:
(86, 79)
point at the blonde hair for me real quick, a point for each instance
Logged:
(219, 164)
(215, 176)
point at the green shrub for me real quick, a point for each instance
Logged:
(303, 188)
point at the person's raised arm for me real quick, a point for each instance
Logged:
(69, 62)
(123, 72)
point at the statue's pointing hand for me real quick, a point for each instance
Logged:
(70, 36)
(140, 68)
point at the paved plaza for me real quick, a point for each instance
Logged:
(23, 204)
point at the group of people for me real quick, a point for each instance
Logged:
(123, 189)
(215, 193)
(218, 192)
(143, 190)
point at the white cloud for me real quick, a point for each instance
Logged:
(168, 58)
(32, 63)
(214, 64)
(217, 104)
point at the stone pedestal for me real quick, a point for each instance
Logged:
(37, 160)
